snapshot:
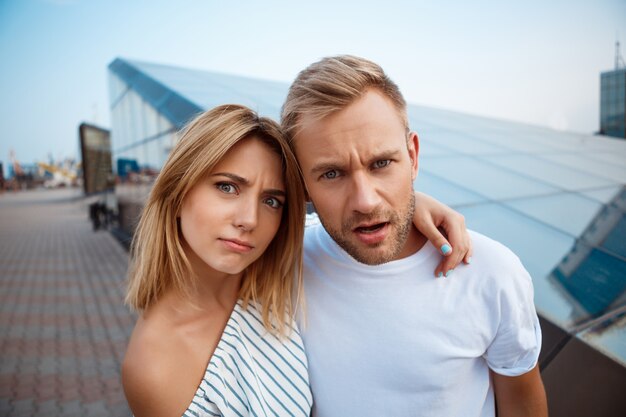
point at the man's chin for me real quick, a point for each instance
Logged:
(369, 255)
(372, 254)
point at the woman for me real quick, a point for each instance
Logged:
(220, 202)
(213, 265)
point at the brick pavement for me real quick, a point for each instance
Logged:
(63, 327)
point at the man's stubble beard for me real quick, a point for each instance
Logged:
(400, 223)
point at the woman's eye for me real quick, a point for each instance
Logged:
(382, 163)
(273, 202)
(330, 175)
(226, 188)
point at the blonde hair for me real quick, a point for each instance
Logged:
(158, 261)
(332, 84)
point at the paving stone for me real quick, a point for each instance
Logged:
(5, 406)
(120, 410)
(63, 324)
(47, 408)
(97, 409)
(24, 406)
(71, 407)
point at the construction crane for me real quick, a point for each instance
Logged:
(61, 177)
(17, 168)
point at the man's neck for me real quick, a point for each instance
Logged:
(414, 242)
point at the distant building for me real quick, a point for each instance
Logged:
(613, 103)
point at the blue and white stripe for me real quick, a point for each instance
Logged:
(253, 373)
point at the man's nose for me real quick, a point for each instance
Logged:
(364, 194)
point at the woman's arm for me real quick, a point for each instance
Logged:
(433, 219)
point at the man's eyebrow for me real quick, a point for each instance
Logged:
(323, 167)
(328, 166)
(243, 181)
(391, 154)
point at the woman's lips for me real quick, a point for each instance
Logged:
(237, 245)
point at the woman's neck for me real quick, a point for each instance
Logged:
(215, 289)
(211, 287)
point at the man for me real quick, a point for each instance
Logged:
(382, 336)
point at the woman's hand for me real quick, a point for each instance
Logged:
(432, 218)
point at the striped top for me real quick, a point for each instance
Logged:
(253, 373)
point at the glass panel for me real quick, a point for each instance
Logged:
(615, 241)
(151, 116)
(445, 191)
(549, 172)
(483, 178)
(593, 279)
(568, 212)
(579, 162)
(463, 143)
(135, 103)
(209, 89)
(609, 158)
(428, 148)
(603, 195)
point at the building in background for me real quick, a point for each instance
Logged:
(613, 103)
(557, 199)
(613, 98)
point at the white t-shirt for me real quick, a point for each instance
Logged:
(393, 340)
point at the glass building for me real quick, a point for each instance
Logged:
(613, 103)
(557, 199)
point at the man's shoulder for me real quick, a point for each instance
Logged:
(497, 263)
(491, 252)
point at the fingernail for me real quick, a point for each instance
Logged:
(446, 249)
(440, 274)
(449, 273)
(469, 260)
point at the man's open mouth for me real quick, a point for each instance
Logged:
(371, 228)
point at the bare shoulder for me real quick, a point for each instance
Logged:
(155, 371)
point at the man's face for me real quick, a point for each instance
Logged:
(359, 170)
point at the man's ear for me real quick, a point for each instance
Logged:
(413, 145)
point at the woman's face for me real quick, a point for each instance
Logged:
(230, 217)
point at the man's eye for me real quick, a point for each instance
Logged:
(382, 163)
(330, 175)
(226, 188)
(273, 202)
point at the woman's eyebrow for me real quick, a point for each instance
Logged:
(276, 192)
(233, 177)
(241, 180)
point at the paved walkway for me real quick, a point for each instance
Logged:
(63, 327)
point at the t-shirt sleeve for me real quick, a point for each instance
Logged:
(516, 345)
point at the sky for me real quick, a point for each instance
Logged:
(536, 62)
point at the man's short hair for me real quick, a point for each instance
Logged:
(332, 84)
